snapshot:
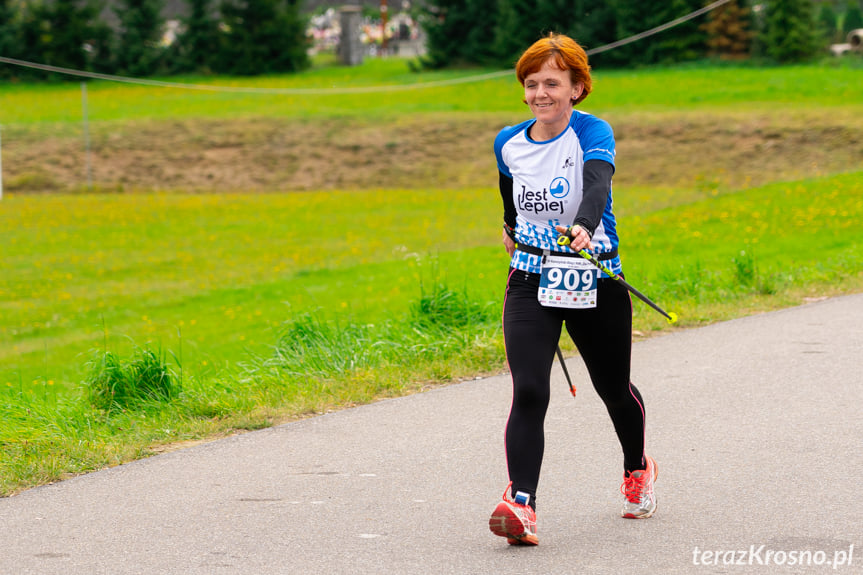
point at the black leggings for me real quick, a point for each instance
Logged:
(603, 336)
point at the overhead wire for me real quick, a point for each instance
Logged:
(343, 90)
(658, 29)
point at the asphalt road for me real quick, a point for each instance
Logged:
(755, 424)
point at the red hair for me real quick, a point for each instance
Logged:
(567, 55)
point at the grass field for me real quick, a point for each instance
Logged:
(735, 127)
(263, 307)
(652, 90)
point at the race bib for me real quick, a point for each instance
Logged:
(567, 282)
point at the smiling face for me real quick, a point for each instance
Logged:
(550, 93)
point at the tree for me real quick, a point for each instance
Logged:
(519, 25)
(64, 34)
(595, 26)
(498, 31)
(828, 23)
(728, 33)
(8, 30)
(198, 41)
(9, 40)
(139, 52)
(853, 18)
(591, 23)
(682, 42)
(480, 32)
(261, 37)
(789, 35)
(687, 41)
(460, 31)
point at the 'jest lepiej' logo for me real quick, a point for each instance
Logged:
(559, 187)
(544, 201)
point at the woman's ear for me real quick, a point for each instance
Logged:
(577, 90)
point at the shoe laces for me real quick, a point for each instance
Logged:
(633, 485)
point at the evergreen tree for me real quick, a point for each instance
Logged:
(789, 34)
(633, 17)
(444, 24)
(594, 25)
(853, 18)
(64, 34)
(195, 47)
(728, 33)
(636, 16)
(9, 39)
(261, 37)
(828, 23)
(498, 31)
(559, 16)
(295, 51)
(519, 25)
(139, 52)
(479, 44)
(758, 25)
(460, 31)
(686, 41)
(8, 29)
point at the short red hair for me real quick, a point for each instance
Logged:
(566, 53)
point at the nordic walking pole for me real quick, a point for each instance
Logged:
(670, 317)
(565, 371)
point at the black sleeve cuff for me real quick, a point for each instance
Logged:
(597, 186)
(509, 211)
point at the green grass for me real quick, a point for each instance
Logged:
(222, 271)
(334, 328)
(59, 106)
(769, 244)
(211, 313)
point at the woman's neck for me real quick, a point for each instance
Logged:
(543, 132)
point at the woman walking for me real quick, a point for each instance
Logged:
(555, 180)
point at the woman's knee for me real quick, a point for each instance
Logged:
(531, 394)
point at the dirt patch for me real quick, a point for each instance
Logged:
(451, 151)
(734, 151)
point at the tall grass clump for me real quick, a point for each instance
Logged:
(117, 384)
(310, 346)
(444, 308)
(748, 275)
(445, 334)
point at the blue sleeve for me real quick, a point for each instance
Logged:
(596, 137)
(502, 138)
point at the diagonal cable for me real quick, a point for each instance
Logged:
(348, 90)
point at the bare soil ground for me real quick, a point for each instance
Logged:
(442, 151)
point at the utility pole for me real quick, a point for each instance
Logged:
(384, 11)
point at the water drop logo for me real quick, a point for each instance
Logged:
(559, 187)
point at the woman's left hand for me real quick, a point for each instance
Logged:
(579, 238)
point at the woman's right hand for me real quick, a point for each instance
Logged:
(508, 243)
(579, 238)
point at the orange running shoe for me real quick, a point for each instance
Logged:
(639, 499)
(514, 519)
